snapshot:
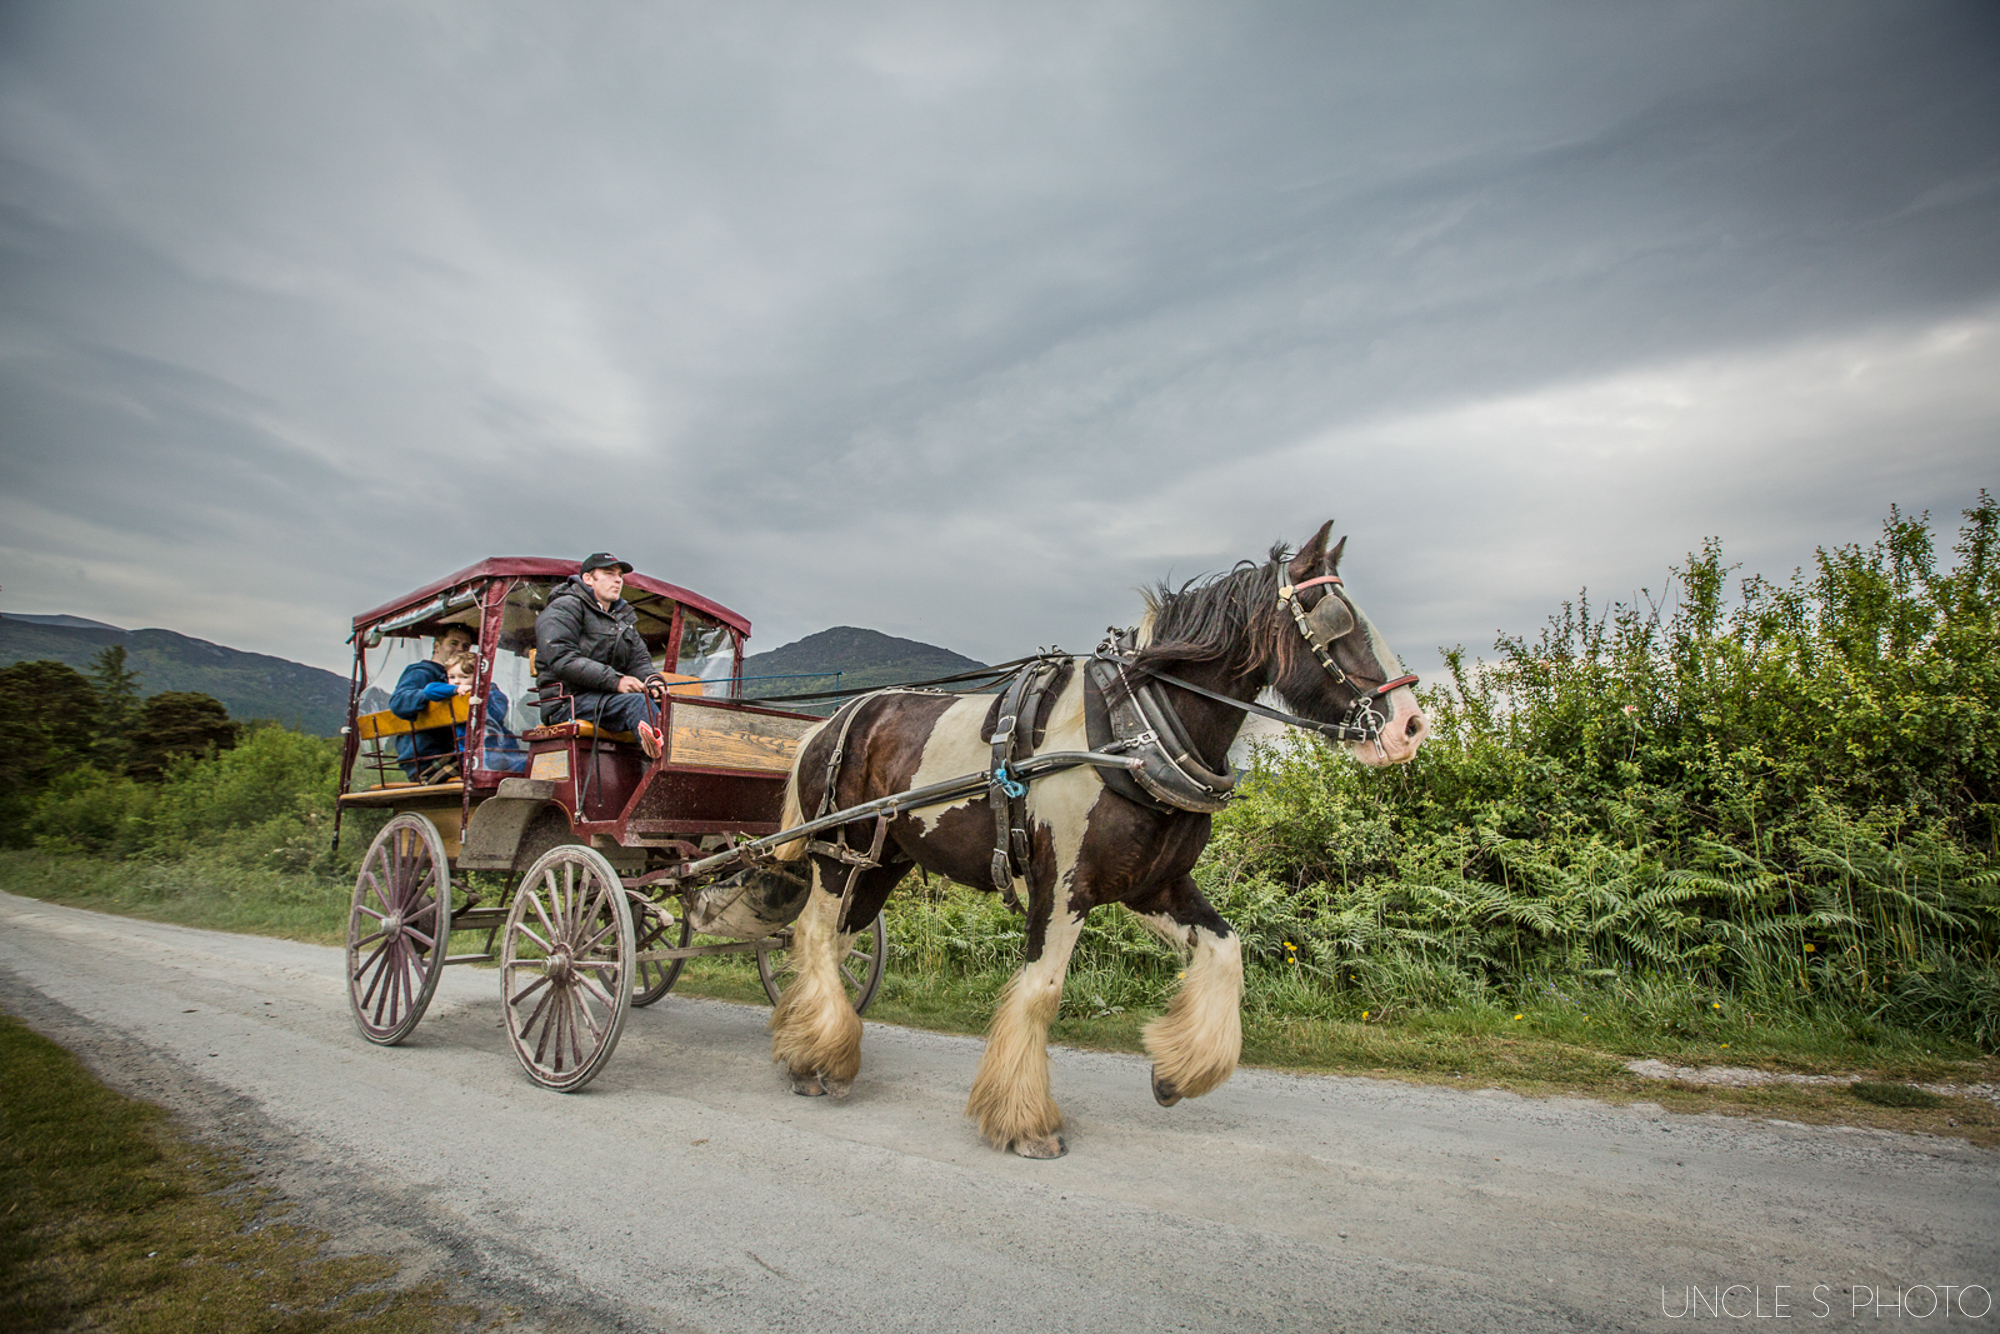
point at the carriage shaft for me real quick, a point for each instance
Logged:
(899, 803)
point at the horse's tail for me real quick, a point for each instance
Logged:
(794, 813)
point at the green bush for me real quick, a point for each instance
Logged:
(267, 803)
(1791, 798)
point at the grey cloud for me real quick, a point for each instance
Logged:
(958, 322)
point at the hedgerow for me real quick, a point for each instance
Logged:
(1787, 796)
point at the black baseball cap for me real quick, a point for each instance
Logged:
(604, 560)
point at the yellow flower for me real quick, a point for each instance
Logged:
(1364, 1014)
(1810, 948)
(1725, 1044)
(1517, 1016)
(1715, 1005)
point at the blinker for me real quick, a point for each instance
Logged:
(1329, 620)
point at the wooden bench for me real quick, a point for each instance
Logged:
(438, 713)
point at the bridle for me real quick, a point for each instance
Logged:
(1330, 619)
(1321, 627)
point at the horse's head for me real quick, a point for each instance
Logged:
(1330, 664)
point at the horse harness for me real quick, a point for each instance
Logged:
(1126, 713)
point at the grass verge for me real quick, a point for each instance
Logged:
(112, 1222)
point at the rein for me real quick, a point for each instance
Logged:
(1367, 726)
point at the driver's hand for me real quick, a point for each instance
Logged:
(630, 685)
(656, 688)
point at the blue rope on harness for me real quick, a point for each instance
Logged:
(1006, 783)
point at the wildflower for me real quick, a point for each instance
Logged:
(1364, 1014)
(1725, 1044)
(1715, 1005)
(1631, 708)
(1810, 947)
(1517, 1016)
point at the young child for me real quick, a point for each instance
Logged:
(503, 748)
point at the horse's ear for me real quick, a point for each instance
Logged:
(1333, 557)
(1306, 564)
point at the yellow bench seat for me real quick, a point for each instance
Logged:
(438, 713)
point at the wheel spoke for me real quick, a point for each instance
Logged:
(369, 874)
(559, 1025)
(547, 925)
(585, 984)
(529, 990)
(587, 946)
(549, 1019)
(374, 961)
(597, 912)
(392, 977)
(575, 1012)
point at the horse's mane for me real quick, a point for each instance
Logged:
(1230, 618)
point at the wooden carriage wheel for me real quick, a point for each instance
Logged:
(398, 929)
(860, 971)
(566, 969)
(654, 978)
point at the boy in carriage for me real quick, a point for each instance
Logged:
(430, 755)
(500, 749)
(591, 662)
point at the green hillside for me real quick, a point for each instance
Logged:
(863, 658)
(251, 685)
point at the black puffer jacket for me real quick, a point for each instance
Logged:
(579, 646)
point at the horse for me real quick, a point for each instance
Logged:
(1286, 623)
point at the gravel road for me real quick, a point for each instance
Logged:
(686, 1189)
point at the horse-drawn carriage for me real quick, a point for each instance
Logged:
(559, 843)
(1080, 782)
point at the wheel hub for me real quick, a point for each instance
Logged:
(561, 966)
(392, 926)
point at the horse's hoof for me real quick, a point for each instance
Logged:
(1043, 1146)
(1164, 1093)
(837, 1088)
(809, 1086)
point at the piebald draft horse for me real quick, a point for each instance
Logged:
(1233, 634)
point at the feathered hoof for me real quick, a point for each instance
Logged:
(837, 1089)
(1164, 1093)
(1040, 1146)
(809, 1086)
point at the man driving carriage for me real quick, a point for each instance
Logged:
(591, 662)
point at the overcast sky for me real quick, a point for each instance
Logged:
(963, 321)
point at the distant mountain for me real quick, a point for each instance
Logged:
(75, 622)
(863, 658)
(251, 685)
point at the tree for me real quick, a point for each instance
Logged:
(48, 720)
(175, 723)
(117, 708)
